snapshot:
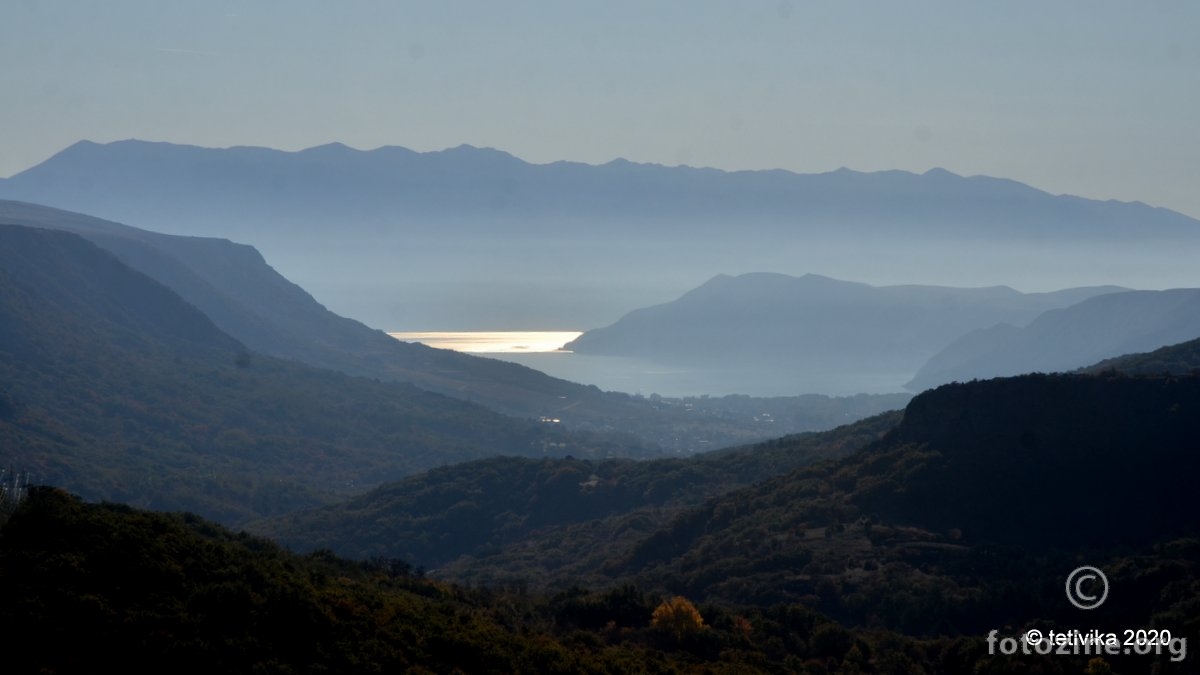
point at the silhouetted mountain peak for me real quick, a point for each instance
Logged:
(467, 151)
(764, 286)
(78, 146)
(330, 150)
(939, 172)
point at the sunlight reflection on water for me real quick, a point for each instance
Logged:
(492, 342)
(540, 350)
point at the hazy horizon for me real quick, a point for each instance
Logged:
(1095, 99)
(1086, 99)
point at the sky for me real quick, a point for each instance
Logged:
(1089, 97)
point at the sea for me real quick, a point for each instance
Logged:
(543, 350)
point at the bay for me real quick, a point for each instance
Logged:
(542, 350)
(492, 342)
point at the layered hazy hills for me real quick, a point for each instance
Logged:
(248, 299)
(114, 387)
(236, 288)
(815, 325)
(476, 239)
(1069, 338)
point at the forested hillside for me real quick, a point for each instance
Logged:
(491, 509)
(90, 586)
(1178, 359)
(966, 516)
(115, 388)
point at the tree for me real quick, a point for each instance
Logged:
(677, 616)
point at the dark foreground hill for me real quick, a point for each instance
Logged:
(971, 511)
(113, 386)
(234, 286)
(90, 587)
(967, 516)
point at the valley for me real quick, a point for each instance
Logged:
(734, 480)
(599, 338)
(370, 478)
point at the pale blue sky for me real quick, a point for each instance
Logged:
(1096, 98)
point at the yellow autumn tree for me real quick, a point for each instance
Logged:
(677, 616)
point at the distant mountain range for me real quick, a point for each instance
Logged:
(347, 187)
(478, 239)
(814, 326)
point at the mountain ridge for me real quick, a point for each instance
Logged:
(466, 149)
(815, 325)
(1177, 359)
(474, 228)
(118, 388)
(1069, 338)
